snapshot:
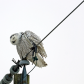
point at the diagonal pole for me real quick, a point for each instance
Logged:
(61, 22)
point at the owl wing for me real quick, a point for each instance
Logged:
(33, 37)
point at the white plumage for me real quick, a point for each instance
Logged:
(23, 42)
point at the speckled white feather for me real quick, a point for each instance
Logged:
(24, 43)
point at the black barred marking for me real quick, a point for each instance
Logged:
(12, 35)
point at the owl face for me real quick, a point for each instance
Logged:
(15, 38)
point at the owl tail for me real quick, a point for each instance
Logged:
(40, 62)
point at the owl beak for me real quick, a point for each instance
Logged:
(13, 41)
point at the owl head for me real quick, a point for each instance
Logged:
(15, 38)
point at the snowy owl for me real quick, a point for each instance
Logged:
(23, 42)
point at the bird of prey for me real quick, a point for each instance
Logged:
(24, 43)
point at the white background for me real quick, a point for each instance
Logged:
(64, 47)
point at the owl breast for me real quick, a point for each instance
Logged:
(23, 48)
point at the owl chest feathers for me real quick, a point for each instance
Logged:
(23, 47)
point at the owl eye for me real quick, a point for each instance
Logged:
(13, 38)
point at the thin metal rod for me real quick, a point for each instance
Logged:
(61, 22)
